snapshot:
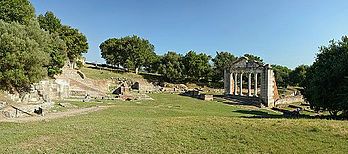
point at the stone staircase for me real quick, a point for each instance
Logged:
(80, 85)
(244, 100)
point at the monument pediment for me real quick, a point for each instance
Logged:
(244, 62)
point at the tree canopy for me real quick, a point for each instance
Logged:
(50, 22)
(219, 62)
(16, 11)
(131, 52)
(197, 66)
(298, 75)
(325, 86)
(281, 74)
(253, 57)
(171, 67)
(75, 42)
(24, 55)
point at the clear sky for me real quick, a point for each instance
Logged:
(285, 32)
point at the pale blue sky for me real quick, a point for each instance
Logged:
(285, 32)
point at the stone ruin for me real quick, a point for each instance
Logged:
(39, 98)
(256, 72)
(196, 93)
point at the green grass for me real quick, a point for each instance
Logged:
(175, 124)
(106, 74)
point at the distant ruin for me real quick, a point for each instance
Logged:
(261, 82)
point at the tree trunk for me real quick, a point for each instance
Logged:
(137, 70)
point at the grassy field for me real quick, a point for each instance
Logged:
(106, 74)
(175, 124)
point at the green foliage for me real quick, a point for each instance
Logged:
(79, 64)
(75, 42)
(172, 67)
(197, 66)
(253, 57)
(24, 55)
(16, 11)
(220, 61)
(325, 83)
(50, 22)
(298, 75)
(131, 52)
(58, 55)
(282, 75)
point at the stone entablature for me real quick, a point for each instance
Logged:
(260, 80)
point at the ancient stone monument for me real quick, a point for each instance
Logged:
(260, 78)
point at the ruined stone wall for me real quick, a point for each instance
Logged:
(44, 91)
(289, 100)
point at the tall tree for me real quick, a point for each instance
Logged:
(281, 75)
(131, 52)
(24, 55)
(16, 10)
(220, 61)
(75, 42)
(50, 22)
(171, 67)
(326, 80)
(298, 75)
(197, 66)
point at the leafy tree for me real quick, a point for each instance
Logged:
(16, 11)
(171, 67)
(220, 61)
(24, 55)
(298, 75)
(282, 75)
(75, 42)
(253, 57)
(196, 66)
(50, 22)
(58, 55)
(131, 52)
(325, 84)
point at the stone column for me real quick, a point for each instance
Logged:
(231, 88)
(249, 85)
(255, 88)
(226, 82)
(241, 84)
(235, 84)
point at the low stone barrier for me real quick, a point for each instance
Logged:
(289, 100)
(206, 97)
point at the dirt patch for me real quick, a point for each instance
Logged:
(49, 116)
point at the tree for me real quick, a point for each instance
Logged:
(253, 57)
(298, 75)
(325, 83)
(220, 61)
(196, 66)
(131, 52)
(58, 55)
(75, 42)
(281, 75)
(16, 11)
(171, 67)
(24, 55)
(50, 22)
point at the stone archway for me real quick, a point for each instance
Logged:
(260, 80)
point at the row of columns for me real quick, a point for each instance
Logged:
(235, 77)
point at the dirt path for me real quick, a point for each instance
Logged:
(49, 116)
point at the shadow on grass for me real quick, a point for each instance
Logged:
(255, 114)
